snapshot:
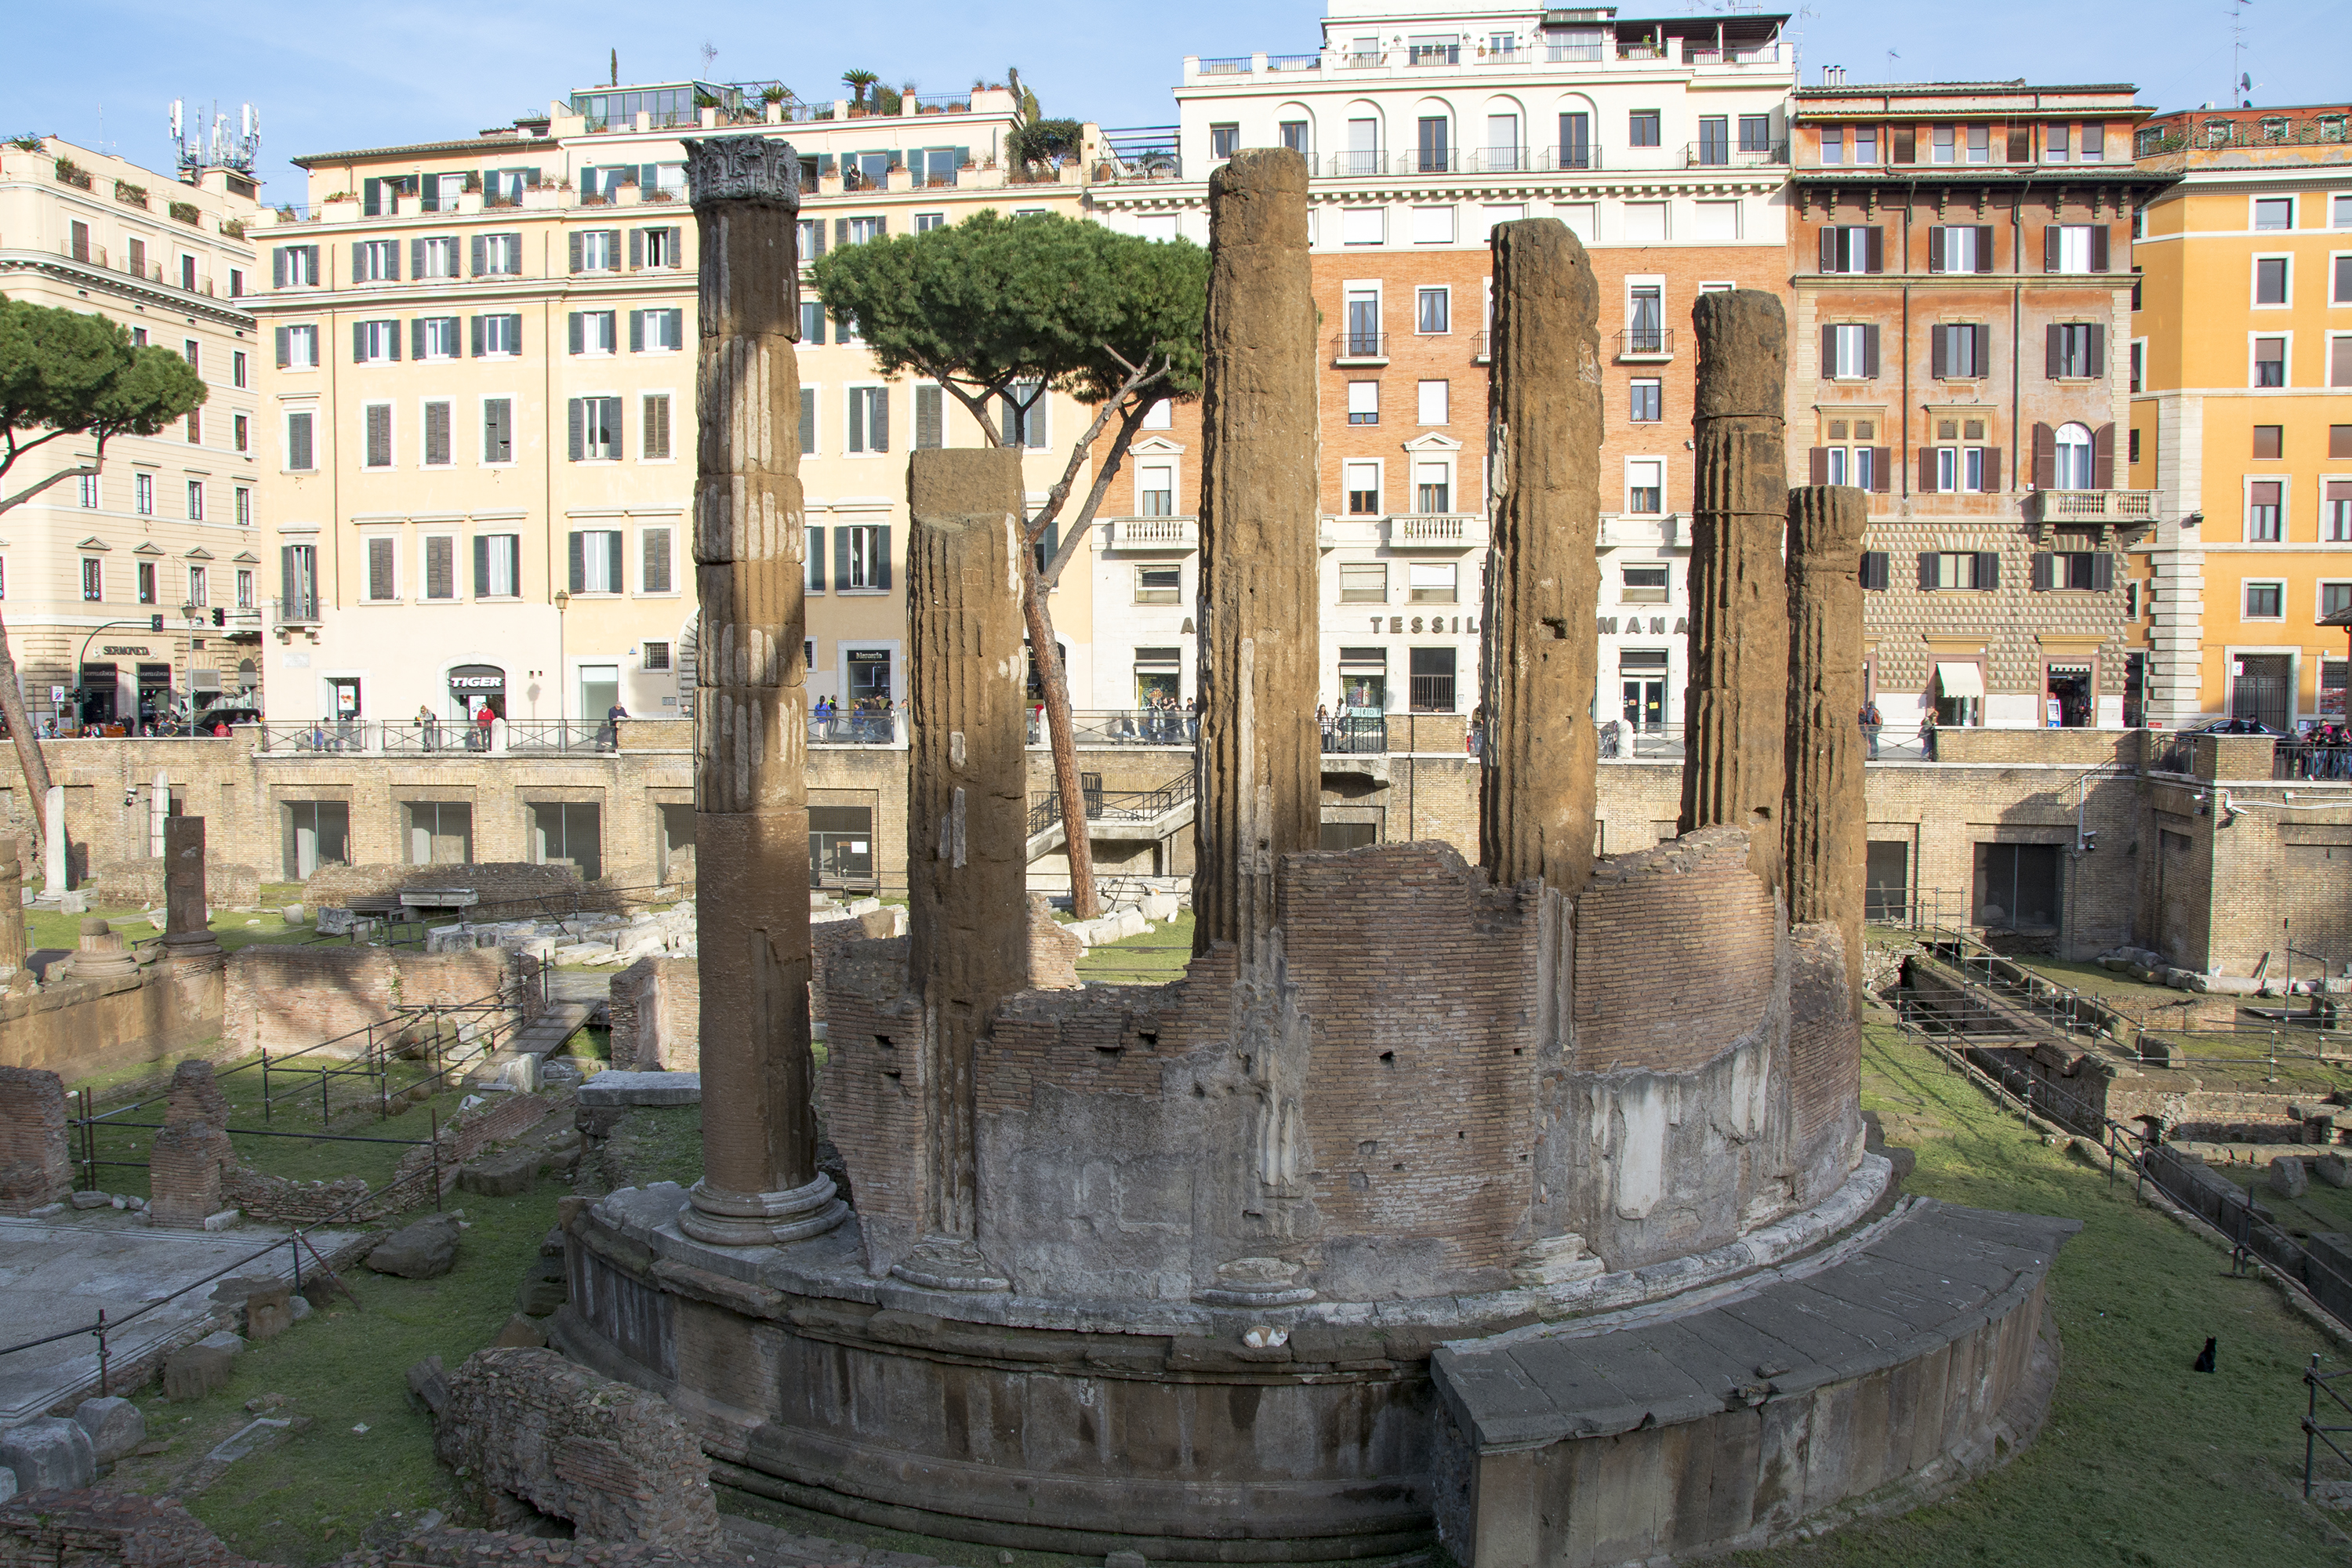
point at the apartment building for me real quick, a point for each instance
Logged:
(2241, 409)
(168, 533)
(1961, 256)
(1662, 143)
(481, 381)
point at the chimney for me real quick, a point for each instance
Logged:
(1833, 76)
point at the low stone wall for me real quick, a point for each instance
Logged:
(280, 998)
(77, 1027)
(498, 882)
(139, 884)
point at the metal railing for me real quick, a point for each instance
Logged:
(2317, 1383)
(1355, 734)
(1353, 345)
(851, 727)
(1570, 54)
(1124, 727)
(1657, 342)
(2321, 761)
(1130, 806)
(1722, 155)
(1230, 65)
(1293, 62)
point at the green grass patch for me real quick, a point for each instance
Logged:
(1154, 958)
(2143, 1461)
(657, 1143)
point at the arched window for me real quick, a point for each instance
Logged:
(2073, 466)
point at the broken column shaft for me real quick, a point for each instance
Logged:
(1543, 576)
(1736, 707)
(760, 1181)
(1823, 815)
(187, 925)
(13, 975)
(967, 809)
(1260, 757)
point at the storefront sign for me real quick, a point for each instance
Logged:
(129, 649)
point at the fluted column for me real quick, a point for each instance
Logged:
(760, 1181)
(188, 940)
(967, 815)
(1825, 819)
(1260, 756)
(1543, 576)
(1735, 709)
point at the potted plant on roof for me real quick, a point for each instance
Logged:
(857, 81)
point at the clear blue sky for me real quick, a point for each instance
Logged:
(327, 76)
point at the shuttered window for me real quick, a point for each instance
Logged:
(497, 557)
(930, 416)
(440, 567)
(869, 420)
(383, 568)
(436, 435)
(653, 571)
(1852, 248)
(299, 456)
(813, 322)
(596, 561)
(297, 578)
(861, 557)
(816, 560)
(808, 421)
(595, 429)
(497, 430)
(378, 418)
(656, 331)
(654, 428)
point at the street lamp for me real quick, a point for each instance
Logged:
(563, 599)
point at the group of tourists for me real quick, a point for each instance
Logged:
(868, 722)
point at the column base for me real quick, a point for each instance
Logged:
(761, 1219)
(950, 1263)
(192, 948)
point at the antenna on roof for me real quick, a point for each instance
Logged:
(2237, 50)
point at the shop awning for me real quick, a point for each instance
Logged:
(1960, 679)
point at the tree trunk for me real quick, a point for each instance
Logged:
(1045, 659)
(29, 750)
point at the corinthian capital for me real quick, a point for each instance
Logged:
(743, 169)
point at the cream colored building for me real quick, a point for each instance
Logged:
(170, 528)
(479, 380)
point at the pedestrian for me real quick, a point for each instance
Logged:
(609, 738)
(1928, 735)
(429, 727)
(1871, 724)
(483, 718)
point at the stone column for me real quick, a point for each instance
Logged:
(1822, 814)
(1543, 577)
(159, 811)
(103, 954)
(187, 928)
(55, 878)
(1735, 707)
(967, 815)
(13, 975)
(760, 1181)
(1260, 755)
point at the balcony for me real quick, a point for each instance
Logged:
(1646, 345)
(2118, 509)
(1375, 165)
(1482, 348)
(1722, 155)
(1360, 347)
(1437, 530)
(1162, 533)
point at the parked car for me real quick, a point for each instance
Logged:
(2236, 727)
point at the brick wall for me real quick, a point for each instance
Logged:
(498, 884)
(33, 1171)
(1674, 955)
(287, 998)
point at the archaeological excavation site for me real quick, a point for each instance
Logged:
(1414, 1212)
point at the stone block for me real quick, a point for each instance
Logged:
(544, 1290)
(292, 914)
(521, 1334)
(608, 1089)
(2333, 1169)
(50, 1453)
(270, 1313)
(428, 1383)
(7, 1478)
(115, 1426)
(425, 1250)
(1159, 907)
(2287, 1178)
(499, 1175)
(199, 1370)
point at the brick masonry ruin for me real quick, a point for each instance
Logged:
(1216, 1227)
(34, 1169)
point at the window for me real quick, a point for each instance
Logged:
(2274, 212)
(1642, 585)
(145, 576)
(497, 430)
(596, 561)
(2265, 503)
(1575, 141)
(1963, 470)
(869, 419)
(2269, 280)
(2074, 248)
(1642, 127)
(440, 567)
(497, 336)
(1432, 226)
(236, 368)
(930, 418)
(1648, 402)
(2075, 459)
(595, 429)
(657, 331)
(808, 420)
(2270, 361)
(435, 337)
(1432, 582)
(1158, 585)
(297, 442)
(595, 331)
(1363, 328)
(375, 261)
(1155, 489)
(1954, 569)
(433, 257)
(195, 428)
(498, 255)
(2335, 598)
(1431, 679)
(2266, 601)
(864, 557)
(383, 569)
(1850, 350)
(656, 247)
(294, 267)
(1364, 583)
(1645, 485)
(2078, 570)
(1433, 311)
(1645, 319)
(858, 230)
(197, 591)
(1023, 419)
(812, 322)
(596, 250)
(2132, 444)
(1834, 145)
(2075, 351)
(653, 428)
(2269, 440)
(299, 581)
(241, 432)
(2138, 372)
(1957, 351)
(1980, 143)
(497, 566)
(1432, 487)
(2336, 513)
(297, 347)
(1432, 403)
(1292, 134)
(1362, 479)
(243, 587)
(1225, 140)
(926, 222)
(2341, 293)
(143, 494)
(1852, 248)
(93, 579)
(372, 343)
(1714, 140)
(653, 573)
(1435, 155)
(1959, 248)
(244, 506)
(1363, 226)
(376, 420)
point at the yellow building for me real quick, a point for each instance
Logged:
(2242, 410)
(480, 375)
(168, 530)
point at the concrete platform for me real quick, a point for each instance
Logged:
(1888, 1369)
(642, 1088)
(56, 1274)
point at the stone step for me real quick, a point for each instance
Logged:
(546, 1034)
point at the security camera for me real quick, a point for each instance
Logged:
(2089, 842)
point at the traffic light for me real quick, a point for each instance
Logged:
(220, 617)
(154, 623)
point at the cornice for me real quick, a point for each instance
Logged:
(83, 275)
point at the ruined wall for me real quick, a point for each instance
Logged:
(286, 998)
(77, 1027)
(656, 1011)
(1674, 956)
(34, 1171)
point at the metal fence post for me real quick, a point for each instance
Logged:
(435, 1146)
(102, 1389)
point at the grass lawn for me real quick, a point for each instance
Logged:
(2143, 1460)
(1156, 957)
